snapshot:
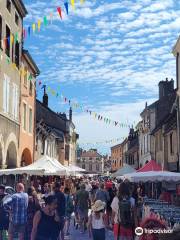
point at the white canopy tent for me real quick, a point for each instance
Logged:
(22, 170)
(124, 170)
(44, 166)
(153, 176)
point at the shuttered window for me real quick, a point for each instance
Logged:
(15, 100)
(6, 84)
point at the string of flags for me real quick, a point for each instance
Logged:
(22, 70)
(75, 105)
(112, 141)
(36, 27)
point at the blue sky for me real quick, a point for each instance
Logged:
(106, 55)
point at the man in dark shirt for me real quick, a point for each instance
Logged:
(82, 202)
(61, 205)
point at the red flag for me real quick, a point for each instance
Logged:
(59, 11)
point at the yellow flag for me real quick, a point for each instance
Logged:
(12, 38)
(34, 27)
(39, 25)
(73, 4)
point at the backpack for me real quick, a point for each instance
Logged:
(125, 213)
(69, 205)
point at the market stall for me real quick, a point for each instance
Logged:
(124, 170)
(153, 176)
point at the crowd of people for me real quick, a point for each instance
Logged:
(44, 211)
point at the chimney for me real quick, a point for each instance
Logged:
(70, 114)
(45, 97)
(166, 88)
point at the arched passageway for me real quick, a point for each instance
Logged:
(11, 156)
(26, 157)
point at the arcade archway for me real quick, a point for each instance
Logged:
(26, 157)
(11, 156)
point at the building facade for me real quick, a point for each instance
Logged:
(116, 157)
(27, 109)
(146, 140)
(176, 53)
(91, 161)
(55, 134)
(165, 131)
(11, 28)
(132, 153)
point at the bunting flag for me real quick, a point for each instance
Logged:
(66, 7)
(29, 30)
(44, 21)
(95, 115)
(39, 25)
(103, 142)
(59, 11)
(12, 39)
(73, 4)
(34, 27)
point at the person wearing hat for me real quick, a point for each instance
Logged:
(97, 221)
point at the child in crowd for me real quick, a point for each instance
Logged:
(97, 221)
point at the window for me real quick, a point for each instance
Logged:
(83, 166)
(67, 152)
(0, 31)
(25, 73)
(6, 94)
(97, 167)
(17, 53)
(15, 101)
(90, 167)
(30, 88)
(16, 19)
(30, 120)
(24, 116)
(8, 33)
(8, 5)
(171, 144)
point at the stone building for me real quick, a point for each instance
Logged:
(91, 161)
(146, 140)
(27, 109)
(11, 27)
(132, 153)
(55, 134)
(176, 53)
(165, 131)
(116, 157)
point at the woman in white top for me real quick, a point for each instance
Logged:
(97, 221)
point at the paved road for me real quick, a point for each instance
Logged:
(76, 235)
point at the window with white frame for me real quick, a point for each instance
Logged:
(15, 98)
(6, 86)
(24, 116)
(30, 120)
